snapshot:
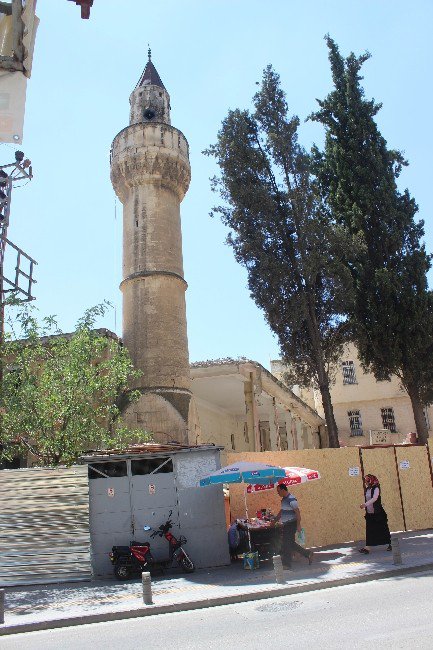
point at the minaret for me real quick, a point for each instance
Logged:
(150, 172)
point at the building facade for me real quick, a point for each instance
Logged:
(363, 404)
(366, 411)
(243, 407)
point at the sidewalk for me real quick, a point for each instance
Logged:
(48, 606)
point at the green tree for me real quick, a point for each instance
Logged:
(392, 317)
(63, 392)
(281, 234)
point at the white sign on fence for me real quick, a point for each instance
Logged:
(353, 471)
(110, 492)
(151, 488)
(404, 464)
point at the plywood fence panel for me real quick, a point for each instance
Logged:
(381, 463)
(329, 507)
(416, 487)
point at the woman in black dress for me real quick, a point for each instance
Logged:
(376, 520)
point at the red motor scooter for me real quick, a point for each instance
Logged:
(137, 557)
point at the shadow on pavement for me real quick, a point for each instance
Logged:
(328, 562)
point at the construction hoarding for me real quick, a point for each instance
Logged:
(330, 507)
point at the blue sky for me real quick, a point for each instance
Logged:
(209, 55)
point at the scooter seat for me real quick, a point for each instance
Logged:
(121, 549)
(132, 543)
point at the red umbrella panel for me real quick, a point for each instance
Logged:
(294, 476)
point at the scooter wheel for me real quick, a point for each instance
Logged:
(186, 564)
(122, 571)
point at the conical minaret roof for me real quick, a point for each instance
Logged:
(150, 75)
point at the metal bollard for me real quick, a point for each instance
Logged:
(396, 553)
(147, 588)
(278, 569)
(2, 606)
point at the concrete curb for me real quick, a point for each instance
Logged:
(152, 610)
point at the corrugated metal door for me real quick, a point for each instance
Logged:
(153, 498)
(110, 512)
(124, 496)
(44, 525)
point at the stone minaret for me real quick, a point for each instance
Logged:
(150, 172)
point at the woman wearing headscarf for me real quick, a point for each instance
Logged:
(376, 520)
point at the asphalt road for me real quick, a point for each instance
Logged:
(393, 613)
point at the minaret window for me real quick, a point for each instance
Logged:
(149, 113)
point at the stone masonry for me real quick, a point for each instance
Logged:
(150, 172)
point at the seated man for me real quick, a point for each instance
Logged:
(234, 537)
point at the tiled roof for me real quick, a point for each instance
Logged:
(145, 448)
(150, 76)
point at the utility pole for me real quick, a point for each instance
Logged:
(16, 277)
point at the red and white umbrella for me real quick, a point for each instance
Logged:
(294, 476)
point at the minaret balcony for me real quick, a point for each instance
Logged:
(150, 152)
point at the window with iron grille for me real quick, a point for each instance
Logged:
(355, 423)
(349, 376)
(388, 419)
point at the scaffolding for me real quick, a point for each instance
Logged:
(21, 281)
(16, 266)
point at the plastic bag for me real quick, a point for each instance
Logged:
(251, 561)
(300, 537)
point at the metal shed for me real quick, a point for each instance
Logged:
(141, 486)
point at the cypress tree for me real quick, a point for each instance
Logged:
(392, 315)
(280, 232)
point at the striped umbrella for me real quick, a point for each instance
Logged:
(293, 476)
(248, 473)
(244, 472)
